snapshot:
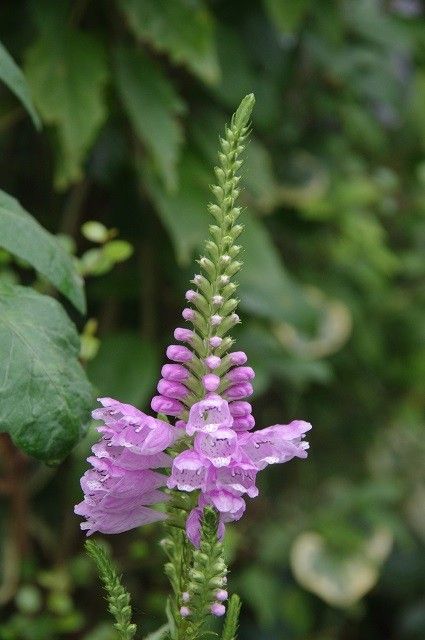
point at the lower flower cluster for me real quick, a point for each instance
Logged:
(223, 463)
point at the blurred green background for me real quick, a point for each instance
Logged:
(132, 95)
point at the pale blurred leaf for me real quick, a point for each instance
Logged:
(341, 581)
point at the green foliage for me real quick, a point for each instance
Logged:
(45, 396)
(182, 29)
(125, 367)
(13, 77)
(152, 105)
(232, 618)
(24, 237)
(66, 71)
(118, 598)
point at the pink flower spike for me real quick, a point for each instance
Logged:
(178, 353)
(215, 341)
(212, 362)
(216, 320)
(209, 415)
(240, 408)
(222, 595)
(240, 374)
(184, 612)
(188, 472)
(174, 390)
(174, 372)
(211, 382)
(239, 391)
(169, 406)
(188, 314)
(183, 335)
(238, 358)
(217, 447)
(218, 609)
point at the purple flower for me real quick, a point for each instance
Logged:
(121, 483)
(225, 458)
(209, 415)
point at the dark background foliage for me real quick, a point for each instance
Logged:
(132, 95)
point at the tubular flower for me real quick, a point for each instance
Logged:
(122, 481)
(224, 461)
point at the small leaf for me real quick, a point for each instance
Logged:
(13, 78)
(152, 106)
(24, 237)
(45, 396)
(95, 231)
(184, 30)
(118, 250)
(67, 72)
(126, 367)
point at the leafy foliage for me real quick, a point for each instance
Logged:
(21, 235)
(45, 397)
(66, 71)
(13, 77)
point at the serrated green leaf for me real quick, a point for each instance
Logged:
(13, 78)
(66, 70)
(152, 105)
(45, 396)
(126, 367)
(183, 29)
(24, 237)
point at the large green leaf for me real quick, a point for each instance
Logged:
(126, 367)
(44, 393)
(182, 28)
(24, 237)
(13, 77)
(152, 105)
(67, 72)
